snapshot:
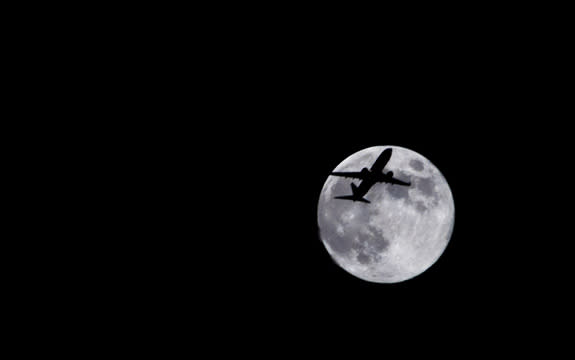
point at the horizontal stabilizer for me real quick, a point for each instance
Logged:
(353, 198)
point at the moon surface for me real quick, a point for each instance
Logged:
(402, 232)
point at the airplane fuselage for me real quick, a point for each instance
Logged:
(377, 176)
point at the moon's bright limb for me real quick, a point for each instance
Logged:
(402, 232)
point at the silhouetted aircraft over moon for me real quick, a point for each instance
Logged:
(370, 177)
(404, 230)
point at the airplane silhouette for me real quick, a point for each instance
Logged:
(370, 177)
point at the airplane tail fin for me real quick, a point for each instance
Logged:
(354, 196)
(353, 188)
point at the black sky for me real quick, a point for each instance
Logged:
(230, 162)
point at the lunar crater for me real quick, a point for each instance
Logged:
(426, 186)
(416, 165)
(336, 242)
(420, 206)
(372, 241)
(363, 258)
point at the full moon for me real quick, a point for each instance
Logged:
(401, 232)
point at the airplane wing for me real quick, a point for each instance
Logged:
(350, 174)
(395, 182)
(381, 161)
